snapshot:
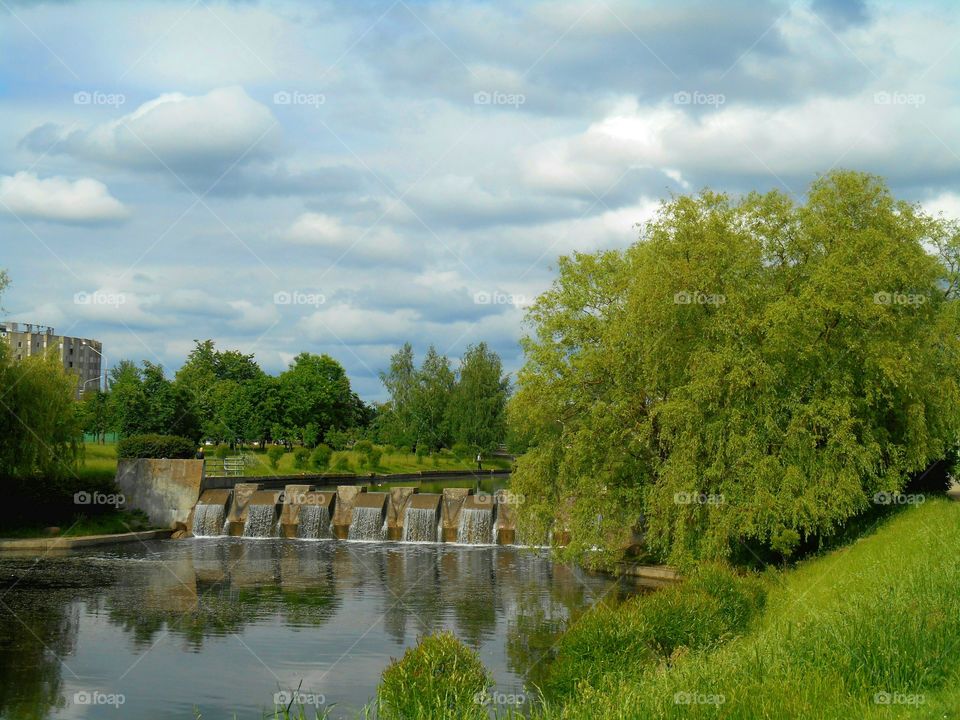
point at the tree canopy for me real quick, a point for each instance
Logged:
(751, 370)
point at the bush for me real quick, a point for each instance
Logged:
(364, 447)
(156, 446)
(374, 457)
(274, 453)
(320, 458)
(439, 678)
(222, 451)
(301, 457)
(462, 451)
(337, 439)
(389, 449)
(421, 453)
(342, 463)
(710, 606)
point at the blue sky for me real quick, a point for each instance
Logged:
(342, 177)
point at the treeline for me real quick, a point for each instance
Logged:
(224, 396)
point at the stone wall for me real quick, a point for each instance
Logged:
(166, 490)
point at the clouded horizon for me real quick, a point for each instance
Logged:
(343, 177)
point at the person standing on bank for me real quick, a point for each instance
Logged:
(479, 463)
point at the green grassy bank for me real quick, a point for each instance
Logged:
(870, 630)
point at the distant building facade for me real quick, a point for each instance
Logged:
(80, 356)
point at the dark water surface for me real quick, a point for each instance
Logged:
(165, 629)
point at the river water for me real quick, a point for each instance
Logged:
(169, 628)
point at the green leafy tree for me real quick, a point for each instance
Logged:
(477, 410)
(315, 393)
(431, 400)
(399, 425)
(750, 371)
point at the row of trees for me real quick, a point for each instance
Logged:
(748, 376)
(225, 396)
(435, 406)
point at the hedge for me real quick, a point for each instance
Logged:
(156, 446)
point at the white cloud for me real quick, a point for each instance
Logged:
(59, 199)
(316, 229)
(202, 134)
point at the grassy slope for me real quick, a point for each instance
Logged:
(881, 615)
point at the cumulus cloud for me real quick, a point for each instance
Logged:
(202, 134)
(59, 199)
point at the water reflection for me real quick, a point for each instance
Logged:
(222, 624)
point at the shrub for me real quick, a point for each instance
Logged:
(421, 453)
(364, 447)
(156, 446)
(462, 451)
(301, 457)
(342, 463)
(222, 451)
(320, 458)
(374, 457)
(337, 439)
(389, 449)
(710, 606)
(439, 678)
(274, 453)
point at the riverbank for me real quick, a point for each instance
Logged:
(870, 630)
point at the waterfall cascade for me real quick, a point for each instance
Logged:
(314, 522)
(208, 520)
(420, 525)
(367, 524)
(476, 527)
(261, 521)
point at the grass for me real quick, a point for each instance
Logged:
(106, 523)
(871, 630)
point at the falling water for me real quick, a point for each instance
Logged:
(476, 526)
(208, 520)
(366, 524)
(260, 521)
(420, 525)
(314, 521)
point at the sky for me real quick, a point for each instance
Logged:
(344, 177)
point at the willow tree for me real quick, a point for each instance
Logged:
(751, 370)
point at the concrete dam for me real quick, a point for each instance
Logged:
(351, 513)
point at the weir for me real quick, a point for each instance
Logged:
(352, 513)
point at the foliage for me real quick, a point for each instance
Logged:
(364, 447)
(143, 402)
(710, 606)
(439, 678)
(301, 458)
(320, 458)
(784, 362)
(222, 451)
(337, 439)
(274, 453)
(156, 446)
(374, 457)
(477, 409)
(341, 462)
(462, 451)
